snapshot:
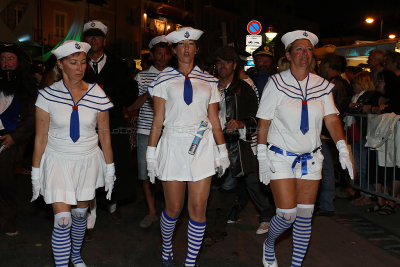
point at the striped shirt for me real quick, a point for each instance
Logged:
(144, 78)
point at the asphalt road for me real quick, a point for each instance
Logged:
(352, 237)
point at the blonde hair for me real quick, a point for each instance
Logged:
(364, 79)
(283, 63)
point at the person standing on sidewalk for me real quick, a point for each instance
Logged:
(160, 55)
(237, 112)
(68, 164)
(331, 68)
(291, 111)
(185, 110)
(17, 125)
(112, 75)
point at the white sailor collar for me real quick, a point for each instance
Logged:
(316, 86)
(94, 98)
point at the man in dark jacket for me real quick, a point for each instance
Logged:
(331, 68)
(17, 125)
(263, 67)
(237, 113)
(112, 74)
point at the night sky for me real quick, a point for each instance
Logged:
(346, 18)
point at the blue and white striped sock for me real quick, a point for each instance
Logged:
(279, 223)
(195, 239)
(167, 231)
(78, 233)
(61, 239)
(301, 232)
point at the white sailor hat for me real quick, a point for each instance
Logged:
(290, 37)
(69, 47)
(156, 40)
(185, 33)
(95, 25)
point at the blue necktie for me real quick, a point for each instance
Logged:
(74, 124)
(304, 117)
(188, 91)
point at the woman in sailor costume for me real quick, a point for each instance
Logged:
(185, 98)
(68, 164)
(292, 109)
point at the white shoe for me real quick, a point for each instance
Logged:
(265, 263)
(263, 228)
(80, 265)
(147, 221)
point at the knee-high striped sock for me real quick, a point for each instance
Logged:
(279, 223)
(195, 239)
(167, 231)
(61, 239)
(301, 233)
(78, 233)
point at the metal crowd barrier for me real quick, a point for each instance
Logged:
(368, 173)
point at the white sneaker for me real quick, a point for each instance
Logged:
(265, 263)
(147, 221)
(263, 228)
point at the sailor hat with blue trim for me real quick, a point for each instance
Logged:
(95, 25)
(290, 37)
(69, 47)
(156, 40)
(185, 33)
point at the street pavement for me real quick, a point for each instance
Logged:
(352, 237)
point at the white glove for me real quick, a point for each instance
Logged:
(344, 157)
(223, 160)
(109, 179)
(151, 160)
(35, 183)
(265, 166)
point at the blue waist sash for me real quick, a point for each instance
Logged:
(299, 157)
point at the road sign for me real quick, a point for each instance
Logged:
(254, 27)
(251, 49)
(254, 40)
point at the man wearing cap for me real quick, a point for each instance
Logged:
(160, 55)
(237, 115)
(264, 67)
(17, 124)
(112, 74)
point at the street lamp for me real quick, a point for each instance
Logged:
(270, 34)
(370, 20)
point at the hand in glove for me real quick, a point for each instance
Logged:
(35, 183)
(265, 166)
(109, 179)
(222, 160)
(344, 157)
(151, 160)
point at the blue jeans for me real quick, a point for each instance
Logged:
(360, 153)
(142, 141)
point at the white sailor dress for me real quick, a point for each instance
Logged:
(283, 102)
(71, 171)
(181, 122)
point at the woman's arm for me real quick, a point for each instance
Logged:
(263, 126)
(215, 123)
(335, 127)
(103, 127)
(158, 120)
(42, 129)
